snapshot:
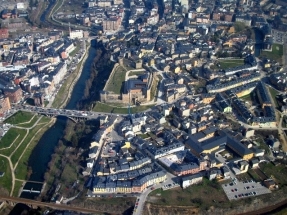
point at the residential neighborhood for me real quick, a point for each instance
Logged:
(162, 97)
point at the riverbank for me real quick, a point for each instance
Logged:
(78, 75)
(100, 70)
(65, 166)
(64, 94)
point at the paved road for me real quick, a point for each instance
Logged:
(140, 202)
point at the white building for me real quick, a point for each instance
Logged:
(76, 34)
(191, 179)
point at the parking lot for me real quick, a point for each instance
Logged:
(278, 37)
(170, 186)
(241, 189)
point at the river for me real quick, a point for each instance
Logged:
(43, 16)
(41, 154)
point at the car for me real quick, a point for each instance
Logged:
(235, 189)
(239, 195)
(252, 186)
(235, 196)
(254, 193)
(232, 190)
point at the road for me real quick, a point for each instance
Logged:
(140, 202)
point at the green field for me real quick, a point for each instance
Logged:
(30, 124)
(116, 80)
(8, 151)
(225, 64)
(6, 180)
(275, 54)
(136, 73)
(101, 107)
(17, 186)
(75, 51)
(278, 172)
(19, 117)
(9, 137)
(202, 195)
(273, 94)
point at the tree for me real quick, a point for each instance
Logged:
(277, 21)
(74, 140)
(239, 26)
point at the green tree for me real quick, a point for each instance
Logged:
(74, 140)
(239, 26)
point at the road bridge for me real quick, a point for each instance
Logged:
(75, 115)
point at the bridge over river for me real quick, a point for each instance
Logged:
(74, 115)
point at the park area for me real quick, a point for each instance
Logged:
(116, 80)
(16, 147)
(276, 53)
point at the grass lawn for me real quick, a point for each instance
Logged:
(275, 54)
(19, 117)
(75, 51)
(202, 195)
(21, 170)
(273, 94)
(136, 73)
(143, 136)
(9, 137)
(101, 107)
(278, 173)
(112, 201)
(62, 93)
(69, 175)
(116, 81)
(30, 124)
(8, 151)
(225, 64)
(6, 180)
(154, 89)
(18, 185)
(263, 145)
(254, 175)
(246, 97)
